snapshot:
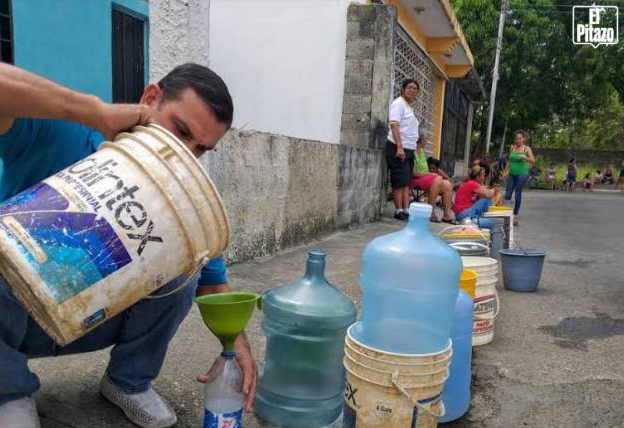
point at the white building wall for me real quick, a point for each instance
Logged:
(179, 33)
(284, 62)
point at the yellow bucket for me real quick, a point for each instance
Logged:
(468, 282)
(498, 208)
(95, 238)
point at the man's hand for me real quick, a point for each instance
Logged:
(115, 118)
(248, 367)
(400, 153)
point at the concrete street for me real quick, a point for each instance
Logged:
(556, 360)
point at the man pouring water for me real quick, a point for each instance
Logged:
(45, 128)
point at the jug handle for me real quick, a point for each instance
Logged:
(424, 407)
(188, 280)
(496, 311)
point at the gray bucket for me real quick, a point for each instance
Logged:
(498, 234)
(522, 268)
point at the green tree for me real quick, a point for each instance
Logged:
(546, 82)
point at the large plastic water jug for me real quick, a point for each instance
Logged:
(456, 393)
(409, 281)
(305, 322)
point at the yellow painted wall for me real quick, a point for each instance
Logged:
(439, 115)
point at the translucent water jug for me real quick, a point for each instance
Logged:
(456, 393)
(302, 379)
(409, 281)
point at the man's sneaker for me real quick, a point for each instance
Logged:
(400, 216)
(20, 413)
(146, 409)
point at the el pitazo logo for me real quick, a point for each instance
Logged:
(118, 198)
(595, 25)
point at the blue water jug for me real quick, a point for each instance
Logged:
(305, 322)
(409, 281)
(456, 393)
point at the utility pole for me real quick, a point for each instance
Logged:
(499, 45)
(503, 140)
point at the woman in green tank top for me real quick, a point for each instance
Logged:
(520, 161)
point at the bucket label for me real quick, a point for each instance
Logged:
(99, 183)
(484, 304)
(223, 420)
(349, 416)
(482, 327)
(69, 250)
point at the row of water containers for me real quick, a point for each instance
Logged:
(406, 363)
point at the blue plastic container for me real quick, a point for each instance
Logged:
(409, 281)
(522, 269)
(302, 380)
(456, 393)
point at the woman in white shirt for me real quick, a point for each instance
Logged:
(400, 146)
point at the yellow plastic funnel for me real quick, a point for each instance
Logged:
(227, 314)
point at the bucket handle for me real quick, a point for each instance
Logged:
(188, 280)
(428, 408)
(496, 311)
(466, 245)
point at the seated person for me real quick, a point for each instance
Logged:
(432, 183)
(608, 178)
(471, 188)
(597, 178)
(434, 167)
(551, 176)
(534, 174)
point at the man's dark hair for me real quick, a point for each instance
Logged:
(207, 84)
(407, 82)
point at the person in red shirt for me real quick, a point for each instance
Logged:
(469, 190)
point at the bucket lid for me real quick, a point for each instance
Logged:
(524, 252)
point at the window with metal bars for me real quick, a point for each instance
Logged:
(6, 32)
(410, 62)
(128, 57)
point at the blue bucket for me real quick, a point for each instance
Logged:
(522, 269)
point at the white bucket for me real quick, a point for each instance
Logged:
(393, 390)
(484, 266)
(486, 308)
(93, 239)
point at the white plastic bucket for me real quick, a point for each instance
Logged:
(483, 266)
(486, 308)
(393, 390)
(93, 239)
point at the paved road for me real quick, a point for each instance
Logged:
(556, 360)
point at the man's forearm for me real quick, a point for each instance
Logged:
(24, 94)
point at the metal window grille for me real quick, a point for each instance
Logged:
(128, 57)
(410, 62)
(6, 32)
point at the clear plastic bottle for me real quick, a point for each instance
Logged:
(409, 283)
(224, 396)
